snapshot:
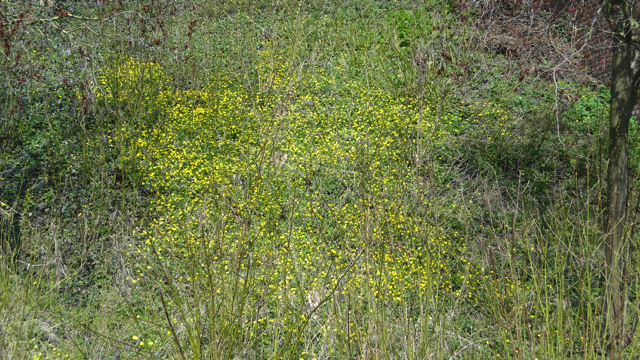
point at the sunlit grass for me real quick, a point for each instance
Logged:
(308, 181)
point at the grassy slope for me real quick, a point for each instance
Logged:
(326, 180)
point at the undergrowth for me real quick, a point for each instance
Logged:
(296, 180)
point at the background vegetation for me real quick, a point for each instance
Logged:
(317, 180)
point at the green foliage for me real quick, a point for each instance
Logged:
(405, 22)
(296, 180)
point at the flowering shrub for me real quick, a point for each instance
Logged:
(300, 187)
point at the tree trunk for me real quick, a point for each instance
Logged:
(623, 99)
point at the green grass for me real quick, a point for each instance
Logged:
(295, 180)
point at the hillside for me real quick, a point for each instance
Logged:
(302, 180)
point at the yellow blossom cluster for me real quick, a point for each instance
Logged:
(298, 190)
